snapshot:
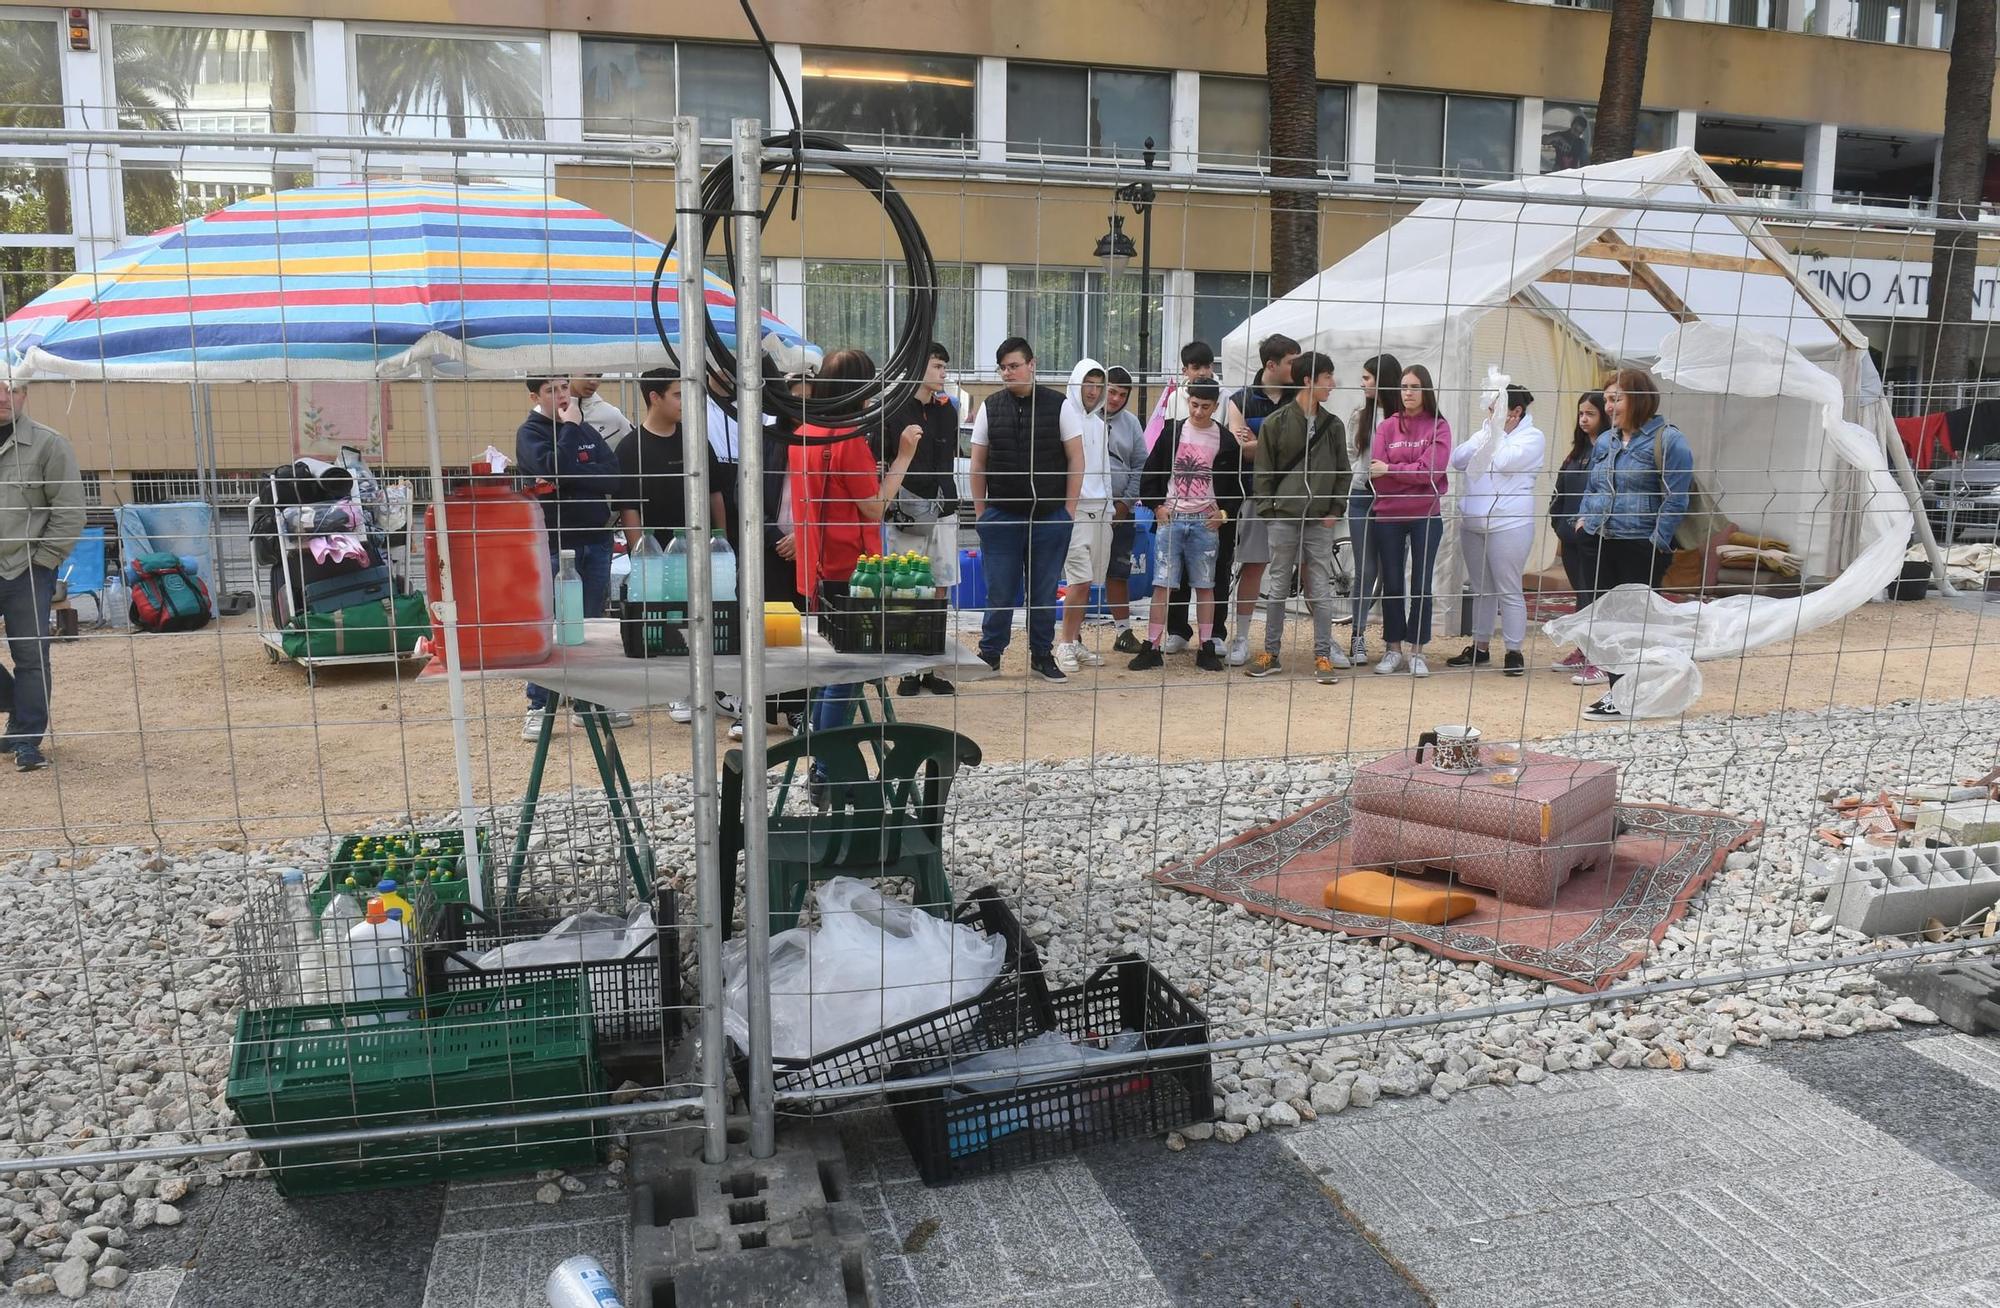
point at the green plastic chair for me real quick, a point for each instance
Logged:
(888, 822)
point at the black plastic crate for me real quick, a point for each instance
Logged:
(1013, 1008)
(954, 1134)
(635, 1001)
(883, 626)
(659, 630)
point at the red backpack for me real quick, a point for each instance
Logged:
(165, 596)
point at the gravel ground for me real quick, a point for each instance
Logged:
(120, 987)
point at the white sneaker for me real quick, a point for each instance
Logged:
(1391, 664)
(736, 729)
(1338, 659)
(615, 718)
(681, 711)
(1085, 654)
(1066, 658)
(531, 725)
(1419, 668)
(1174, 645)
(1239, 651)
(728, 706)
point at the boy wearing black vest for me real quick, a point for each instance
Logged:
(1027, 473)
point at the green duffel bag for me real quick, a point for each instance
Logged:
(360, 629)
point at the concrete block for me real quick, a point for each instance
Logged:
(1963, 995)
(1894, 893)
(1967, 822)
(696, 1226)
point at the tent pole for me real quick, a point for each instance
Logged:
(445, 605)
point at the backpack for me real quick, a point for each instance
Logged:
(166, 596)
(1703, 518)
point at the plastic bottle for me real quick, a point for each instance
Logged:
(569, 602)
(648, 582)
(303, 940)
(926, 582)
(581, 1282)
(498, 545)
(722, 567)
(116, 602)
(386, 891)
(675, 576)
(380, 949)
(336, 925)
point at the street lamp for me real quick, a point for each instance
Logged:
(1115, 249)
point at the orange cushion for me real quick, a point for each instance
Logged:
(1377, 894)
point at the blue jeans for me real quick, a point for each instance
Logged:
(1021, 552)
(593, 564)
(1367, 578)
(1186, 555)
(1406, 599)
(24, 608)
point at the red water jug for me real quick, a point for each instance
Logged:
(499, 548)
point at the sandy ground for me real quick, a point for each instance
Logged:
(191, 739)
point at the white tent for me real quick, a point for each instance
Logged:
(1553, 293)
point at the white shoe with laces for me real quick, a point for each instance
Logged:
(1086, 655)
(1338, 659)
(681, 711)
(1066, 658)
(1174, 645)
(1239, 651)
(531, 725)
(1391, 664)
(1419, 668)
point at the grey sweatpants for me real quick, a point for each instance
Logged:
(1494, 561)
(1288, 538)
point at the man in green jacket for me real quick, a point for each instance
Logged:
(1300, 489)
(41, 516)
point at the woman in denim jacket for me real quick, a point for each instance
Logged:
(1631, 507)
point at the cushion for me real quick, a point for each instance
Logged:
(1376, 894)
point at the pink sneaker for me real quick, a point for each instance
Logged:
(1591, 675)
(1570, 662)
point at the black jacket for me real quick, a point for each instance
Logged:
(573, 471)
(1157, 480)
(1566, 505)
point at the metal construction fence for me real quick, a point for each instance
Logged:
(1787, 796)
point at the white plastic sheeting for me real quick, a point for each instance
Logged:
(1656, 644)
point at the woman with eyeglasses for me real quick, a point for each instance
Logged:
(1410, 452)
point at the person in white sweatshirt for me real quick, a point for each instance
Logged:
(1497, 525)
(1089, 558)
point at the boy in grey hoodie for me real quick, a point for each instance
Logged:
(1125, 452)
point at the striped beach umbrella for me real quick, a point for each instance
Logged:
(371, 280)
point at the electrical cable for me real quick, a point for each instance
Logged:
(898, 375)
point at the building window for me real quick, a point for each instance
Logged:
(1428, 134)
(1883, 20)
(464, 88)
(1568, 131)
(860, 305)
(160, 194)
(1071, 314)
(1060, 112)
(1759, 160)
(914, 101)
(34, 192)
(635, 88)
(1753, 13)
(1884, 168)
(1223, 300)
(207, 79)
(1236, 124)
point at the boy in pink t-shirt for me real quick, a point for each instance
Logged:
(1179, 486)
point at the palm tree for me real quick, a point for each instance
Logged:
(1619, 96)
(1293, 81)
(1961, 182)
(454, 78)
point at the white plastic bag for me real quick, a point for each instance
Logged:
(873, 963)
(579, 938)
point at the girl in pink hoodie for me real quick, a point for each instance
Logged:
(1411, 451)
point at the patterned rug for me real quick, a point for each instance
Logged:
(1602, 924)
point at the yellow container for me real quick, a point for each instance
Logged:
(782, 625)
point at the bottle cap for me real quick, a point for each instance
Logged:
(568, 556)
(291, 876)
(376, 913)
(386, 886)
(395, 915)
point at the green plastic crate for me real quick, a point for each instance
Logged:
(487, 1052)
(449, 888)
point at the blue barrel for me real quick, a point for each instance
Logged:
(970, 592)
(1143, 554)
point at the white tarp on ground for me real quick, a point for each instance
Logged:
(1555, 293)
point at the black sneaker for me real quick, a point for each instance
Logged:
(1147, 658)
(29, 759)
(795, 723)
(937, 685)
(1128, 642)
(909, 685)
(1469, 657)
(1603, 711)
(1210, 658)
(1044, 666)
(990, 660)
(1514, 665)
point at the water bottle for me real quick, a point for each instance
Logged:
(569, 602)
(648, 582)
(116, 602)
(301, 942)
(581, 1282)
(336, 926)
(674, 589)
(722, 568)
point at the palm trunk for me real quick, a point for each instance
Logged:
(1624, 85)
(1293, 83)
(1961, 181)
(284, 83)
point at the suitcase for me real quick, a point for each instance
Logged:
(1522, 841)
